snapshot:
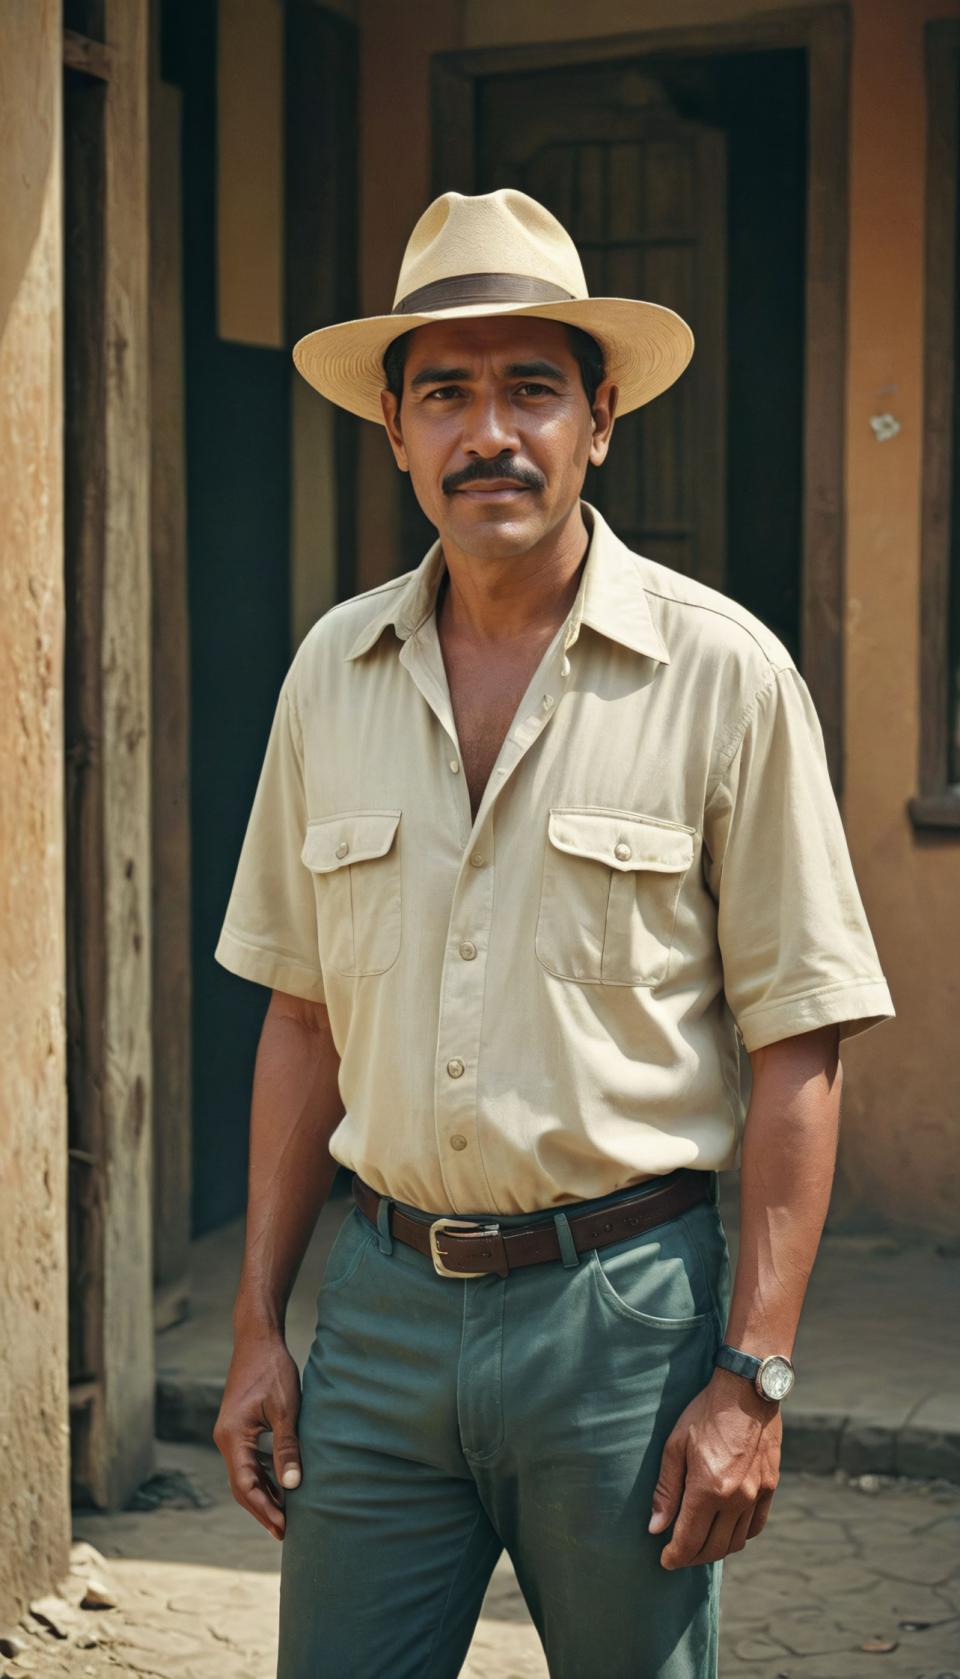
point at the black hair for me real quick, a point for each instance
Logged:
(586, 350)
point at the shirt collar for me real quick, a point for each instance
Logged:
(611, 598)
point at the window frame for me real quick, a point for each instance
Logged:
(937, 802)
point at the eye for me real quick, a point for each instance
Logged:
(443, 391)
(536, 390)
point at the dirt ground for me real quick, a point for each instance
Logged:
(850, 1579)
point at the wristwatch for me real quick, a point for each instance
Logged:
(773, 1376)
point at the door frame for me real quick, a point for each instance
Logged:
(107, 731)
(823, 34)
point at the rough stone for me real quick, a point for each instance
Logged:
(98, 1596)
(54, 1613)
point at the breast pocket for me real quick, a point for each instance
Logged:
(355, 862)
(609, 895)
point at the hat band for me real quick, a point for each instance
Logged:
(460, 290)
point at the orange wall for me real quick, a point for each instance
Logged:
(899, 1159)
(902, 1100)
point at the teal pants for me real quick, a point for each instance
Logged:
(444, 1419)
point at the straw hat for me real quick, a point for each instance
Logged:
(500, 253)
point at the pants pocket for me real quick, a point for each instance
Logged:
(657, 1279)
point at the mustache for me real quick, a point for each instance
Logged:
(479, 472)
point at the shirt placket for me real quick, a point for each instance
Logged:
(463, 978)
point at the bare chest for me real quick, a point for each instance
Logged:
(485, 693)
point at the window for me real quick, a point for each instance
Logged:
(937, 804)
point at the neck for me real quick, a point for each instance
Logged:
(505, 599)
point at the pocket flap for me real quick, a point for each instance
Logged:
(622, 839)
(334, 842)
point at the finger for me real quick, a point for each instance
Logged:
(253, 1489)
(722, 1537)
(690, 1533)
(761, 1511)
(286, 1458)
(257, 1498)
(668, 1491)
(741, 1532)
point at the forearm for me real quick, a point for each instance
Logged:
(295, 1107)
(788, 1156)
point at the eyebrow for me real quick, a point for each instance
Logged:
(516, 370)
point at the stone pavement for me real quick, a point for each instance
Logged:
(877, 1354)
(850, 1579)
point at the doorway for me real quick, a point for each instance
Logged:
(704, 168)
(268, 492)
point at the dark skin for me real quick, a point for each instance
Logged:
(514, 538)
(513, 547)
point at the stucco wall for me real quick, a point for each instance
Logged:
(34, 1435)
(900, 1156)
(899, 1159)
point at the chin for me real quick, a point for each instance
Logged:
(498, 529)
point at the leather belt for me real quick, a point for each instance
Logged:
(463, 1247)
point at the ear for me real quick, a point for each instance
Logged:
(390, 409)
(604, 409)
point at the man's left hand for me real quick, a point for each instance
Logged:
(719, 1472)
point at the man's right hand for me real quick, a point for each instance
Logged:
(262, 1392)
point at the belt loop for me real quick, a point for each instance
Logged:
(715, 1188)
(568, 1252)
(384, 1238)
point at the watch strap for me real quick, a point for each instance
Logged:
(742, 1364)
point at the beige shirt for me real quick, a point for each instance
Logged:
(543, 1004)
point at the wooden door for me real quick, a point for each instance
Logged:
(642, 191)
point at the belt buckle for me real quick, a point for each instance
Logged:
(441, 1226)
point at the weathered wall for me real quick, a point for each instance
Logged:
(34, 1435)
(899, 1158)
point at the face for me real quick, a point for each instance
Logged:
(495, 430)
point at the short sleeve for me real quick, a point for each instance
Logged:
(269, 932)
(796, 946)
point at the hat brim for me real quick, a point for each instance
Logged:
(646, 347)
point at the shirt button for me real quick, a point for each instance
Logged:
(456, 1068)
(565, 667)
(342, 848)
(454, 765)
(458, 1141)
(547, 701)
(622, 851)
(468, 950)
(477, 860)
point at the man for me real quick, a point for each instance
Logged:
(542, 828)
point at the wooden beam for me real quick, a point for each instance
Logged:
(170, 700)
(108, 661)
(936, 810)
(90, 58)
(127, 1440)
(939, 414)
(770, 31)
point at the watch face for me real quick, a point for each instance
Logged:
(776, 1377)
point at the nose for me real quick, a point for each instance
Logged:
(489, 429)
